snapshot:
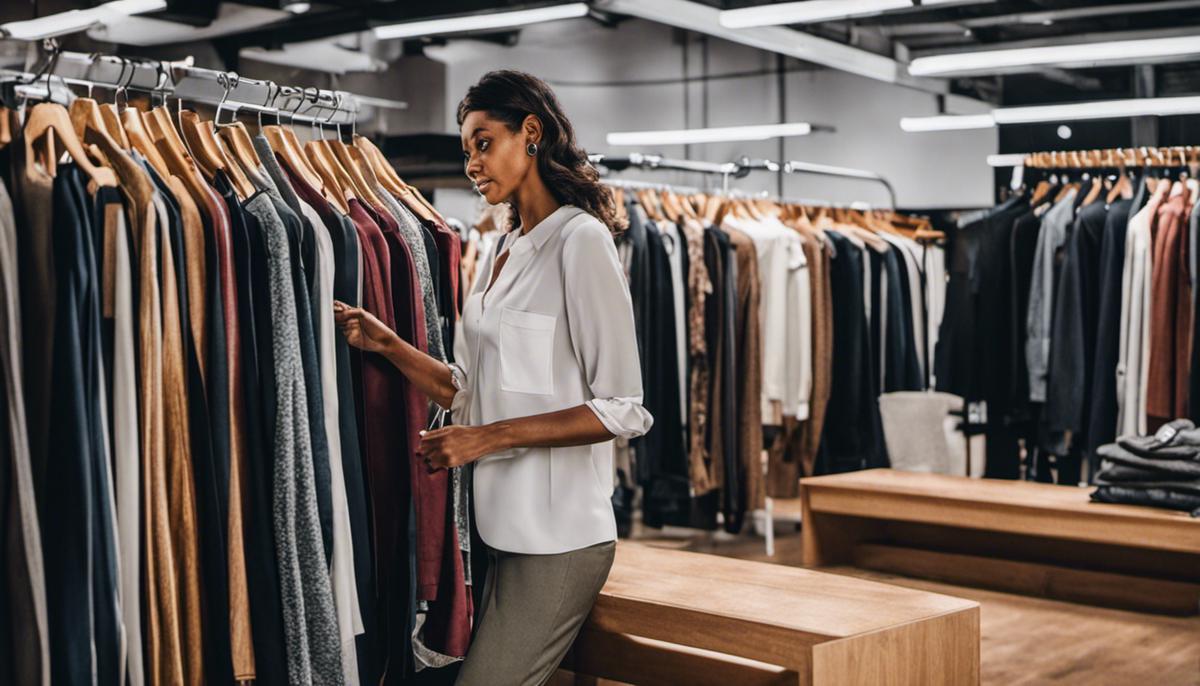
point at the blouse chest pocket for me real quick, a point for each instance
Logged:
(527, 352)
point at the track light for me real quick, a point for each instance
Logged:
(1081, 55)
(947, 122)
(1106, 109)
(712, 135)
(813, 11)
(1103, 109)
(72, 21)
(481, 22)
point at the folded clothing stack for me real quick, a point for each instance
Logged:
(1162, 470)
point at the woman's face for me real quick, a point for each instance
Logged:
(496, 157)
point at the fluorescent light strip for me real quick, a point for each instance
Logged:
(713, 135)
(1077, 56)
(1013, 160)
(1104, 109)
(1107, 109)
(479, 22)
(63, 23)
(813, 11)
(947, 122)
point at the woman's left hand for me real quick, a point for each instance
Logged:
(453, 446)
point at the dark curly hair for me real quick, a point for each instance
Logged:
(510, 96)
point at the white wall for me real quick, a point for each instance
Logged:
(927, 170)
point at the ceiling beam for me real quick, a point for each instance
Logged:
(693, 16)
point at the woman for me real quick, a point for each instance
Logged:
(546, 374)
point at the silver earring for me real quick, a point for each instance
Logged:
(531, 149)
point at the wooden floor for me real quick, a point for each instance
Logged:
(1026, 640)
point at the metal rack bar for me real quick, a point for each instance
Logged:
(183, 80)
(797, 167)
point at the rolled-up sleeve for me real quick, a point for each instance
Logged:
(600, 317)
(462, 394)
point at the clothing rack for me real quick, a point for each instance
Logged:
(226, 90)
(649, 185)
(746, 165)
(798, 167)
(638, 160)
(1173, 156)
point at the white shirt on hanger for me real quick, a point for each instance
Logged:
(553, 332)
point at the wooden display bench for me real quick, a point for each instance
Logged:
(1029, 538)
(670, 617)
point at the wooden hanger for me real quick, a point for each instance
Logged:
(649, 203)
(335, 178)
(392, 182)
(52, 119)
(210, 156)
(284, 142)
(84, 112)
(670, 206)
(1094, 192)
(112, 123)
(139, 138)
(1040, 192)
(285, 146)
(241, 149)
(5, 126)
(341, 153)
(175, 155)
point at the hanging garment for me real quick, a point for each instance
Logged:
(179, 471)
(1051, 238)
(256, 359)
(310, 623)
(933, 268)
(345, 589)
(1022, 253)
(853, 436)
(411, 231)
(1133, 357)
(346, 254)
(808, 440)
(901, 371)
(971, 344)
(210, 476)
(78, 526)
(662, 453)
(25, 593)
(1170, 306)
(778, 254)
(1102, 410)
(1073, 336)
(748, 376)
(384, 432)
(714, 334)
(33, 191)
(699, 288)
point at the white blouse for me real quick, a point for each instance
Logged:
(553, 332)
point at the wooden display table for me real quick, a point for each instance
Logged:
(1036, 539)
(669, 617)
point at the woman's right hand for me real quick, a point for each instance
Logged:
(361, 328)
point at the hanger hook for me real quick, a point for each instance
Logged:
(123, 91)
(228, 81)
(266, 102)
(337, 108)
(120, 79)
(299, 101)
(160, 84)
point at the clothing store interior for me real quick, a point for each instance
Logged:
(914, 286)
